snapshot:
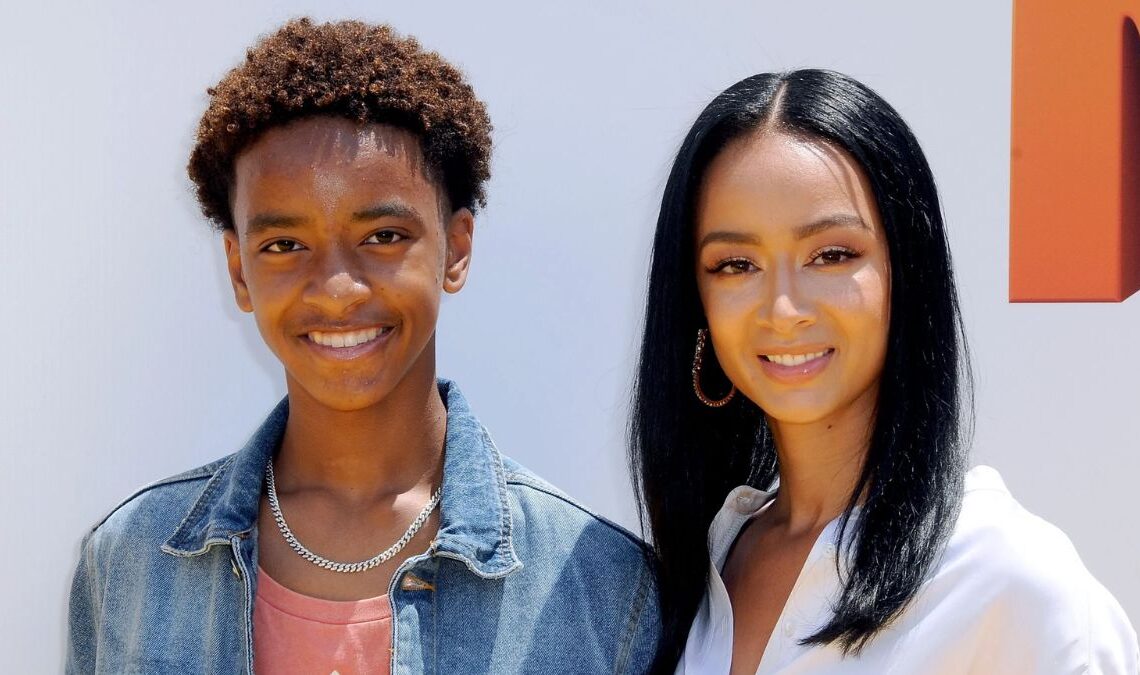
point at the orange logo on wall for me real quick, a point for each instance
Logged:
(1075, 156)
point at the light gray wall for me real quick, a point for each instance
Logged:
(127, 360)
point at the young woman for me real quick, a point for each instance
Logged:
(796, 436)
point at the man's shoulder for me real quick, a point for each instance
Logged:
(546, 509)
(156, 509)
(592, 561)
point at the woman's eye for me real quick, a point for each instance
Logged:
(733, 266)
(282, 246)
(833, 256)
(384, 237)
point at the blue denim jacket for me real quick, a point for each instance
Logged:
(518, 579)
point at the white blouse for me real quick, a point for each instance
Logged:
(1009, 595)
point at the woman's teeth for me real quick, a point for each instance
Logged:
(349, 339)
(795, 359)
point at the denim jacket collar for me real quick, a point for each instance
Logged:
(475, 519)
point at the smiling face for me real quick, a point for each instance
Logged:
(341, 249)
(793, 275)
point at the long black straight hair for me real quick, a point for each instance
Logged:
(685, 457)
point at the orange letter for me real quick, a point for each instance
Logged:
(1075, 167)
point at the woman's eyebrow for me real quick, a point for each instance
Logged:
(801, 232)
(828, 222)
(729, 237)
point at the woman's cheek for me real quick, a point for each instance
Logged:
(727, 311)
(867, 305)
(730, 314)
(861, 296)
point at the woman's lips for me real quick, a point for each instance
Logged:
(796, 374)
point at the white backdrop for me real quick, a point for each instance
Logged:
(128, 362)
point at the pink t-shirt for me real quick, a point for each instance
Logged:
(294, 633)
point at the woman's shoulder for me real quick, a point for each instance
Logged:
(1027, 581)
(996, 536)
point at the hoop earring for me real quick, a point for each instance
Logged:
(698, 359)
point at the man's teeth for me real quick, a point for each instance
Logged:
(349, 339)
(795, 359)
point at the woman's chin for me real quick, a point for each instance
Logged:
(795, 409)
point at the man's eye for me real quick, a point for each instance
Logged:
(282, 246)
(833, 256)
(384, 237)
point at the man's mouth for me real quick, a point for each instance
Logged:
(349, 338)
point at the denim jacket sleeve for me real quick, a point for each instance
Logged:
(644, 629)
(83, 615)
(134, 607)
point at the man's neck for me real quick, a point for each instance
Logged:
(365, 455)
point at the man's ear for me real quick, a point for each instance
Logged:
(233, 265)
(460, 231)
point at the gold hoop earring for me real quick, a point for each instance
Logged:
(698, 359)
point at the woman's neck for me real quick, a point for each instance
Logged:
(820, 464)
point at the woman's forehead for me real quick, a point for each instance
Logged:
(785, 178)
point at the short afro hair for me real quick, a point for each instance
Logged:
(350, 69)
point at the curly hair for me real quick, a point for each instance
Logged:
(351, 69)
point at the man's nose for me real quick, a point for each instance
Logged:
(337, 286)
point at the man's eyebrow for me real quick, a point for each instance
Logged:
(391, 209)
(265, 221)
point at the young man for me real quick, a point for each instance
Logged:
(370, 524)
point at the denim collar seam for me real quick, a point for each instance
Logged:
(506, 523)
(202, 504)
(222, 477)
(521, 478)
(504, 559)
(207, 544)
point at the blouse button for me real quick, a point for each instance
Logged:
(789, 629)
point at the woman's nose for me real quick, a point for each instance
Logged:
(786, 308)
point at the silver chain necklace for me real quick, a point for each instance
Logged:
(378, 559)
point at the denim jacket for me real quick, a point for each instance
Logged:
(518, 579)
